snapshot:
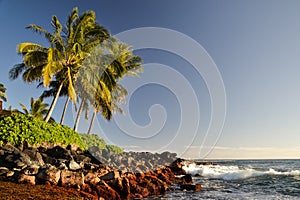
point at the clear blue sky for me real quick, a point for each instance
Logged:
(255, 45)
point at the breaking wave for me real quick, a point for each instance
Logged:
(232, 172)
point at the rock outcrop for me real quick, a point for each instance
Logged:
(95, 173)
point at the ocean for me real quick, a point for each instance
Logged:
(243, 179)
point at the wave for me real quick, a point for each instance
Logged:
(232, 172)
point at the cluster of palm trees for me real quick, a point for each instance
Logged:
(83, 62)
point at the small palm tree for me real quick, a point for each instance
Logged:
(38, 108)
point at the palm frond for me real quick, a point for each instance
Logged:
(24, 108)
(40, 30)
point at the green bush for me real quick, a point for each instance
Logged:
(94, 140)
(114, 149)
(17, 128)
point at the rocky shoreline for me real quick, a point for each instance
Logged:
(94, 173)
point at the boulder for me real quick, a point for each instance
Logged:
(3, 170)
(121, 186)
(106, 192)
(24, 178)
(82, 159)
(31, 170)
(10, 148)
(51, 175)
(91, 178)
(59, 152)
(111, 175)
(187, 179)
(70, 178)
(74, 165)
(106, 153)
(176, 167)
(34, 155)
(48, 159)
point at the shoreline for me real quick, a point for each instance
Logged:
(87, 172)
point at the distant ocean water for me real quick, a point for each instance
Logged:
(244, 179)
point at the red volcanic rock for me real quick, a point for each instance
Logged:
(91, 178)
(105, 191)
(73, 168)
(23, 178)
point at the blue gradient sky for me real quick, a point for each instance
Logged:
(255, 45)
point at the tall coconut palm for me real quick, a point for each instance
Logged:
(88, 82)
(54, 85)
(69, 46)
(108, 64)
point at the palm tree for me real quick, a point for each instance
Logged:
(119, 95)
(101, 72)
(38, 108)
(69, 46)
(88, 82)
(54, 85)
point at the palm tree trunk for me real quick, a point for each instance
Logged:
(54, 101)
(92, 122)
(64, 111)
(78, 115)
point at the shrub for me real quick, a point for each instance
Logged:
(114, 149)
(17, 128)
(95, 140)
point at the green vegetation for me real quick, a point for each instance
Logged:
(114, 149)
(17, 128)
(93, 140)
(83, 62)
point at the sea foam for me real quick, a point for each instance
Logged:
(232, 172)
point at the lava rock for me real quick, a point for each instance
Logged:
(111, 175)
(51, 175)
(69, 178)
(190, 187)
(23, 178)
(74, 165)
(35, 156)
(59, 152)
